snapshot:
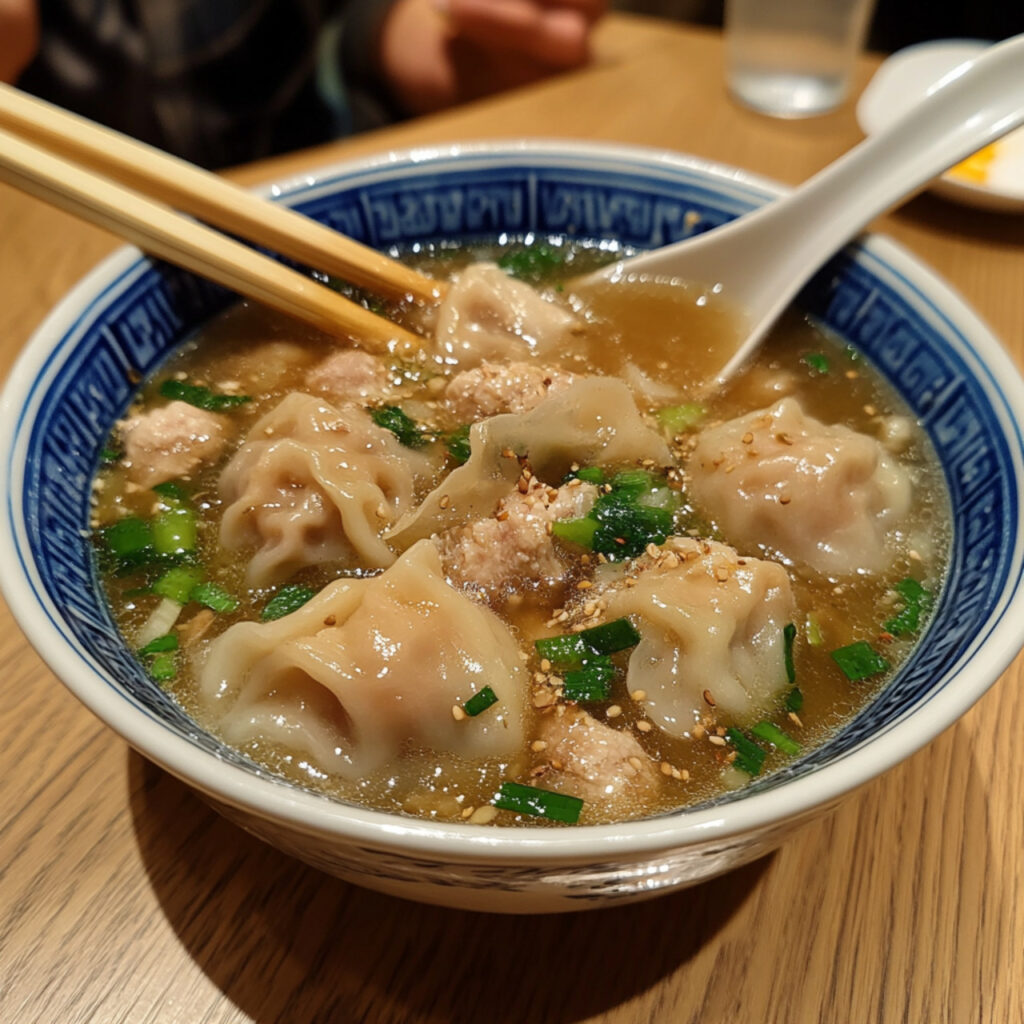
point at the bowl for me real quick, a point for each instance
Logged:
(74, 380)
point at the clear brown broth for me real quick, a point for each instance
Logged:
(668, 333)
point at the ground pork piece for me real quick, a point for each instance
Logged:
(605, 767)
(170, 441)
(514, 545)
(350, 374)
(493, 388)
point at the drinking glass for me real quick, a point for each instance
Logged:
(793, 58)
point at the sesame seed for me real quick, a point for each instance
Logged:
(584, 585)
(666, 768)
(545, 665)
(636, 762)
(717, 740)
(538, 745)
(614, 711)
(484, 815)
(330, 620)
(445, 501)
(457, 713)
(747, 438)
(785, 499)
(644, 726)
(795, 718)
(639, 694)
(698, 731)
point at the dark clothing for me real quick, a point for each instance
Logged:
(218, 82)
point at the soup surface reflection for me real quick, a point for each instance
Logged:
(540, 571)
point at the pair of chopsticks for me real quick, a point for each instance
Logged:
(69, 162)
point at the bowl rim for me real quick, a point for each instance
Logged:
(259, 794)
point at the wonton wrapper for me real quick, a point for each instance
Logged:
(314, 483)
(368, 668)
(709, 620)
(784, 483)
(593, 421)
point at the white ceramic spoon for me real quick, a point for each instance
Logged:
(762, 259)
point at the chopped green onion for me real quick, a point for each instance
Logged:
(788, 636)
(589, 474)
(457, 443)
(201, 397)
(817, 361)
(176, 584)
(917, 603)
(175, 531)
(815, 636)
(128, 538)
(794, 699)
(859, 661)
(480, 701)
(542, 803)
(678, 419)
(632, 481)
(287, 600)
(160, 644)
(110, 454)
(576, 531)
(214, 597)
(776, 737)
(172, 491)
(565, 650)
(592, 682)
(749, 756)
(610, 637)
(531, 263)
(626, 527)
(163, 667)
(401, 424)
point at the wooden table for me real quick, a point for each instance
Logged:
(124, 898)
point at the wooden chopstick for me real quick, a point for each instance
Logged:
(163, 232)
(209, 197)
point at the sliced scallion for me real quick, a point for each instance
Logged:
(163, 667)
(287, 600)
(160, 644)
(214, 597)
(591, 682)
(678, 419)
(788, 636)
(201, 397)
(749, 755)
(576, 531)
(401, 424)
(457, 443)
(480, 701)
(541, 803)
(917, 602)
(817, 361)
(175, 530)
(859, 661)
(794, 699)
(176, 584)
(776, 737)
(617, 635)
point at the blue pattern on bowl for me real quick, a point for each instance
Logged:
(139, 316)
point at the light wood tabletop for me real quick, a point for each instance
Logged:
(124, 898)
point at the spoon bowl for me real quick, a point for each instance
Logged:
(760, 261)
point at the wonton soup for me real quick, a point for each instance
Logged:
(537, 572)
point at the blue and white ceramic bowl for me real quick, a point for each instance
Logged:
(75, 379)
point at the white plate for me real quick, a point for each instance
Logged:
(992, 179)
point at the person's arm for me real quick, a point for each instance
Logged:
(436, 53)
(19, 37)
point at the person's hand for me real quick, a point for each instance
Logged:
(436, 53)
(19, 37)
